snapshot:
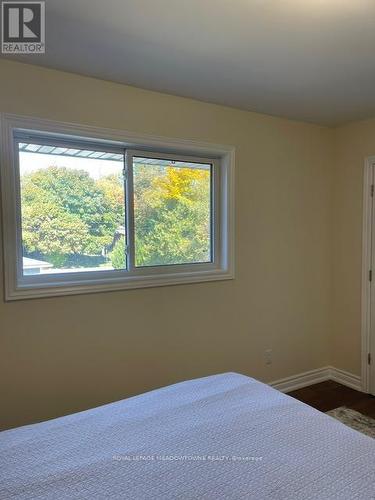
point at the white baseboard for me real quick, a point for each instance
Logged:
(304, 379)
(346, 378)
(315, 376)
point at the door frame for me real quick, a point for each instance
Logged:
(367, 237)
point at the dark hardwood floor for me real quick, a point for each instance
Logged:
(329, 395)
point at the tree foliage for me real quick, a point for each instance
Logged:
(171, 215)
(65, 212)
(118, 255)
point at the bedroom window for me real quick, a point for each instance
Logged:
(86, 213)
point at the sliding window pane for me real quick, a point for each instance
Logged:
(73, 209)
(172, 212)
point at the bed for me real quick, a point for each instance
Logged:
(220, 437)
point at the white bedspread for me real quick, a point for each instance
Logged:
(220, 437)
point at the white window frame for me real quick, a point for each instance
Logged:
(17, 286)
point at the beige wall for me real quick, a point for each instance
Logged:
(60, 355)
(353, 143)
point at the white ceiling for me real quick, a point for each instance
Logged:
(312, 60)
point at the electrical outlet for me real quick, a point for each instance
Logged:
(268, 356)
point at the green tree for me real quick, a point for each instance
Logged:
(65, 212)
(112, 187)
(172, 215)
(118, 255)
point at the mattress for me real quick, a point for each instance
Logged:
(220, 437)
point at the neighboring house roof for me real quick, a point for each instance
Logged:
(32, 263)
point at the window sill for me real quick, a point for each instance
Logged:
(30, 290)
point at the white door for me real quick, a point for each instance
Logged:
(369, 356)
